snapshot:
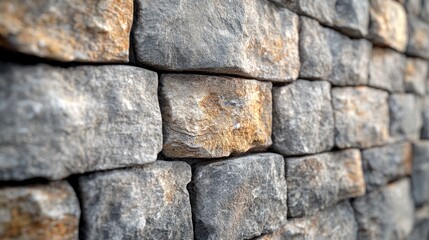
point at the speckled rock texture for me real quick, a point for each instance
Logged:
(420, 175)
(405, 117)
(149, 202)
(418, 37)
(39, 212)
(387, 70)
(416, 71)
(72, 30)
(60, 121)
(239, 198)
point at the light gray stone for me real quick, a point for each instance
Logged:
(315, 54)
(425, 112)
(413, 7)
(361, 117)
(209, 116)
(387, 213)
(405, 117)
(387, 69)
(148, 202)
(420, 231)
(424, 14)
(316, 182)
(247, 38)
(239, 198)
(420, 176)
(303, 120)
(336, 222)
(60, 121)
(418, 37)
(385, 164)
(416, 71)
(352, 17)
(39, 211)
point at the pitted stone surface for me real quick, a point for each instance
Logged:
(72, 30)
(405, 117)
(148, 202)
(418, 38)
(56, 122)
(361, 117)
(316, 182)
(385, 164)
(303, 120)
(248, 38)
(420, 176)
(416, 71)
(210, 116)
(39, 212)
(387, 213)
(386, 70)
(239, 198)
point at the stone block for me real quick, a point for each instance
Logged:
(418, 37)
(61, 121)
(405, 117)
(416, 71)
(425, 112)
(420, 176)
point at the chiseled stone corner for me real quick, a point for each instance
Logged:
(385, 164)
(39, 211)
(387, 70)
(425, 112)
(239, 198)
(147, 202)
(210, 116)
(336, 222)
(405, 117)
(60, 121)
(418, 38)
(303, 119)
(248, 38)
(416, 71)
(316, 182)
(388, 24)
(361, 117)
(72, 30)
(420, 176)
(387, 213)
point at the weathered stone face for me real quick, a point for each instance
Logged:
(42, 212)
(425, 110)
(413, 7)
(387, 213)
(424, 14)
(239, 198)
(405, 117)
(418, 38)
(303, 120)
(386, 70)
(420, 176)
(56, 122)
(361, 117)
(149, 202)
(210, 116)
(316, 182)
(336, 222)
(385, 164)
(73, 30)
(416, 71)
(388, 24)
(248, 38)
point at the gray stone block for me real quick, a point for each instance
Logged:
(387, 70)
(425, 111)
(418, 37)
(405, 117)
(416, 71)
(420, 176)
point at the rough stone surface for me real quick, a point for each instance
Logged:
(352, 17)
(420, 176)
(361, 117)
(424, 14)
(416, 71)
(387, 213)
(56, 121)
(315, 54)
(418, 38)
(350, 60)
(316, 182)
(388, 24)
(413, 7)
(420, 231)
(336, 222)
(248, 38)
(148, 202)
(386, 70)
(303, 120)
(385, 164)
(239, 198)
(73, 30)
(425, 111)
(39, 212)
(210, 116)
(405, 117)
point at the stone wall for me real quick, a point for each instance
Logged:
(201, 119)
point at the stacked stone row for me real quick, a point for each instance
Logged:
(172, 119)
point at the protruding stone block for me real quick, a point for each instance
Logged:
(73, 30)
(387, 213)
(39, 212)
(420, 176)
(416, 71)
(405, 117)
(248, 38)
(418, 38)
(386, 70)
(316, 182)
(210, 116)
(239, 198)
(361, 117)
(303, 120)
(148, 202)
(60, 121)
(385, 164)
